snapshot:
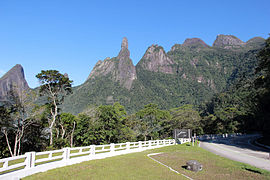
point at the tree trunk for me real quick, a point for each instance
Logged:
(54, 114)
(57, 133)
(63, 131)
(15, 145)
(20, 137)
(71, 137)
(51, 136)
(9, 148)
(19, 147)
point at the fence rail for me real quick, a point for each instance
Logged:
(34, 162)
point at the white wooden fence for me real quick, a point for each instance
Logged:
(34, 162)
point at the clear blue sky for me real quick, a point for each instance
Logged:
(71, 36)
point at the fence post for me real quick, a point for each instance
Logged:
(92, 150)
(150, 144)
(140, 144)
(164, 142)
(33, 159)
(112, 147)
(5, 165)
(66, 153)
(28, 160)
(128, 146)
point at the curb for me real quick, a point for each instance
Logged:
(265, 146)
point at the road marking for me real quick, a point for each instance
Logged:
(166, 165)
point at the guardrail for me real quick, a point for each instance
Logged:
(34, 162)
(217, 136)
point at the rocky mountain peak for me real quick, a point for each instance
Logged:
(155, 50)
(255, 42)
(124, 52)
(13, 80)
(156, 59)
(256, 39)
(102, 68)
(124, 44)
(227, 42)
(194, 42)
(120, 68)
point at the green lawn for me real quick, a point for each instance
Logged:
(139, 166)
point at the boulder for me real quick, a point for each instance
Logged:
(194, 165)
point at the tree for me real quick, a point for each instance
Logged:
(150, 120)
(185, 117)
(5, 119)
(84, 133)
(67, 124)
(227, 118)
(55, 86)
(18, 118)
(110, 123)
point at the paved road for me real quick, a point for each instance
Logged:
(240, 149)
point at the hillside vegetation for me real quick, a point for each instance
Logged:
(190, 73)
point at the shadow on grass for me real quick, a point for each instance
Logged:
(184, 167)
(253, 170)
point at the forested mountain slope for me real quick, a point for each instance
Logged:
(190, 73)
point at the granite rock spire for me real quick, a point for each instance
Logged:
(121, 67)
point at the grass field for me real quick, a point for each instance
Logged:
(139, 166)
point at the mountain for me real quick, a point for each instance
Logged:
(121, 67)
(194, 42)
(155, 59)
(190, 73)
(228, 42)
(13, 80)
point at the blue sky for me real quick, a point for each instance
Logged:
(71, 36)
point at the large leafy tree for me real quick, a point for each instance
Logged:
(150, 120)
(84, 133)
(110, 123)
(65, 128)
(55, 86)
(185, 117)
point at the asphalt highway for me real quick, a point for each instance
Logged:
(240, 149)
